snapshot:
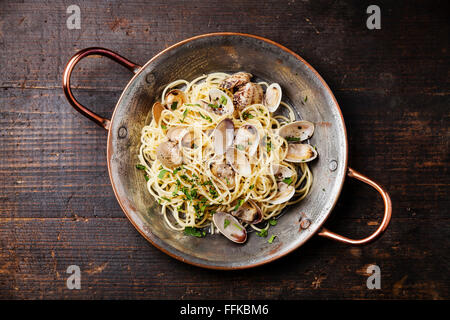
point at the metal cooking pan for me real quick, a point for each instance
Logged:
(227, 52)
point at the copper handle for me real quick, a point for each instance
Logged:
(387, 213)
(103, 122)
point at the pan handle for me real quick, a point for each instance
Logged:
(102, 122)
(387, 213)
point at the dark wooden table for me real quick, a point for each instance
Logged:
(57, 207)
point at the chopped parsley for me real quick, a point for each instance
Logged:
(251, 187)
(163, 126)
(223, 100)
(306, 98)
(215, 106)
(140, 167)
(177, 169)
(273, 222)
(146, 177)
(164, 198)
(226, 223)
(205, 117)
(292, 139)
(287, 180)
(193, 104)
(174, 105)
(271, 239)
(247, 115)
(239, 203)
(191, 231)
(162, 173)
(263, 233)
(269, 146)
(240, 147)
(184, 115)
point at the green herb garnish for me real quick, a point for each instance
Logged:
(163, 126)
(184, 115)
(191, 231)
(287, 180)
(240, 147)
(146, 177)
(251, 187)
(162, 173)
(292, 139)
(263, 233)
(269, 146)
(215, 106)
(174, 105)
(273, 222)
(140, 167)
(271, 238)
(205, 117)
(223, 100)
(226, 223)
(306, 98)
(167, 199)
(239, 203)
(247, 115)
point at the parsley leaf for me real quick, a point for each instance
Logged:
(251, 187)
(223, 100)
(240, 147)
(205, 117)
(292, 139)
(140, 167)
(287, 180)
(263, 233)
(191, 231)
(247, 115)
(162, 173)
(226, 223)
(271, 239)
(174, 105)
(163, 126)
(273, 222)
(240, 202)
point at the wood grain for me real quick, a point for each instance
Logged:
(57, 207)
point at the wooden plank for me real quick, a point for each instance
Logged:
(56, 204)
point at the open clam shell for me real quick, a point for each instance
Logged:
(239, 162)
(272, 97)
(157, 109)
(169, 154)
(220, 102)
(174, 99)
(236, 80)
(224, 172)
(223, 136)
(230, 227)
(300, 152)
(284, 193)
(282, 172)
(247, 138)
(248, 94)
(297, 131)
(248, 212)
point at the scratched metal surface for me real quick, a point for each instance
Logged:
(57, 206)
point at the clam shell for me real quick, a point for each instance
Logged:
(248, 138)
(285, 193)
(239, 162)
(175, 96)
(300, 153)
(234, 231)
(249, 212)
(236, 80)
(223, 102)
(223, 136)
(272, 98)
(224, 172)
(157, 109)
(248, 94)
(282, 172)
(297, 131)
(169, 154)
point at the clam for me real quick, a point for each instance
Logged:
(272, 98)
(300, 153)
(223, 136)
(282, 172)
(230, 227)
(157, 109)
(236, 80)
(248, 94)
(224, 172)
(175, 98)
(169, 154)
(297, 131)
(247, 138)
(239, 162)
(248, 212)
(177, 133)
(285, 193)
(219, 102)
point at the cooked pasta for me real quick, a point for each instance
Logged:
(193, 171)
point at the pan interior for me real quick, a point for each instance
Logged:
(304, 89)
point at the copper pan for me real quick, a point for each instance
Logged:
(227, 52)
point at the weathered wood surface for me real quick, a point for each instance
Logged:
(57, 207)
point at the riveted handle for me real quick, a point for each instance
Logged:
(386, 218)
(103, 122)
